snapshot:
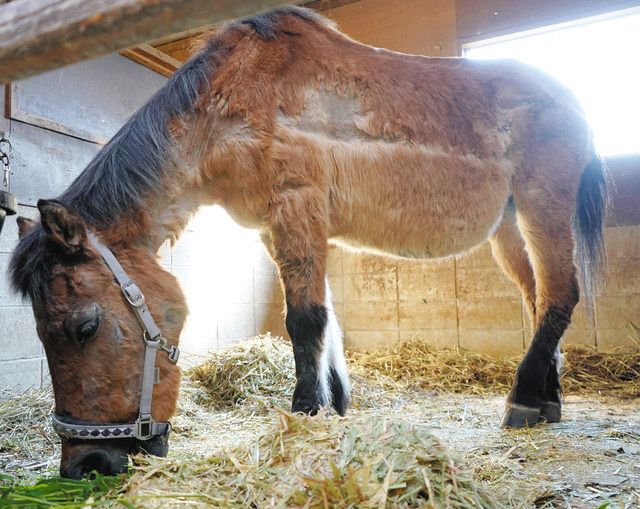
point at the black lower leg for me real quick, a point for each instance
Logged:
(305, 326)
(535, 394)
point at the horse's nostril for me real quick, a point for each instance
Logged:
(102, 462)
(98, 461)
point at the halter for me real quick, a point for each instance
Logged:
(144, 428)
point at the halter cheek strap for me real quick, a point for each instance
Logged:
(144, 428)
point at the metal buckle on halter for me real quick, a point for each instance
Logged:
(143, 428)
(173, 352)
(133, 294)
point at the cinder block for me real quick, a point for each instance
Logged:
(365, 263)
(334, 261)
(9, 237)
(616, 311)
(19, 337)
(44, 162)
(478, 257)
(490, 314)
(618, 340)
(482, 282)
(46, 376)
(236, 321)
(270, 318)
(185, 251)
(413, 265)
(427, 314)
(18, 376)
(439, 338)
(370, 340)
(7, 296)
(576, 336)
(370, 287)
(199, 334)
(496, 342)
(433, 282)
(622, 277)
(235, 285)
(365, 316)
(623, 242)
(336, 285)
(267, 289)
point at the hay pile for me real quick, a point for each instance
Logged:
(318, 463)
(419, 365)
(27, 441)
(259, 375)
(228, 452)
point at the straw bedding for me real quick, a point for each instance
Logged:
(235, 447)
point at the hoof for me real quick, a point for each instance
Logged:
(520, 416)
(551, 412)
(300, 406)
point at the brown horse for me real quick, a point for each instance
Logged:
(311, 137)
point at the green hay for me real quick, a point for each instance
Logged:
(57, 492)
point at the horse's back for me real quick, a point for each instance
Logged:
(427, 146)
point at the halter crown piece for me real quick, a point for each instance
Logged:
(144, 428)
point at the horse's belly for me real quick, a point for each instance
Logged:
(414, 202)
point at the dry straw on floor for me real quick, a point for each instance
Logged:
(318, 463)
(233, 447)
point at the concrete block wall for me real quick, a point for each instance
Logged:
(44, 163)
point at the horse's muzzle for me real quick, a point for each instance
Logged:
(109, 457)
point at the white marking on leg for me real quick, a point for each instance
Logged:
(332, 344)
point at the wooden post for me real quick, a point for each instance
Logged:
(39, 35)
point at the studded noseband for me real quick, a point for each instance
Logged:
(145, 427)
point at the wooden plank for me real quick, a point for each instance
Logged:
(153, 58)
(181, 49)
(39, 35)
(424, 27)
(484, 19)
(324, 5)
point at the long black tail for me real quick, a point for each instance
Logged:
(588, 225)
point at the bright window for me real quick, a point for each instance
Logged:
(599, 59)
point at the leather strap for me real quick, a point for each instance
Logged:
(145, 427)
(129, 289)
(104, 431)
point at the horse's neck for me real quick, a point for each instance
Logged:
(163, 217)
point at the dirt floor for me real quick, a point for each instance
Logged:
(589, 460)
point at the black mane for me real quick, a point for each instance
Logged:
(135, 162)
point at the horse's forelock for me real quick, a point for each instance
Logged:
(29, 268)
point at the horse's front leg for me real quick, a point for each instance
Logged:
(299, 247)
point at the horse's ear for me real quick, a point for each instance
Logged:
(24, 225)
(63, 226)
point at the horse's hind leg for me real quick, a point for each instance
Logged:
(508, 248)
(545, 210)
(299, 247)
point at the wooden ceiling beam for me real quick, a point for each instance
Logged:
(153, 58)
(40, 35)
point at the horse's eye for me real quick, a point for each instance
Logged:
(88, 329)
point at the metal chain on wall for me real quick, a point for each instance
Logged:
(8, 202)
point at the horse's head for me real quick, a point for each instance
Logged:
(93, 340)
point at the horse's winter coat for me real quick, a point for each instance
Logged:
(311, 137)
